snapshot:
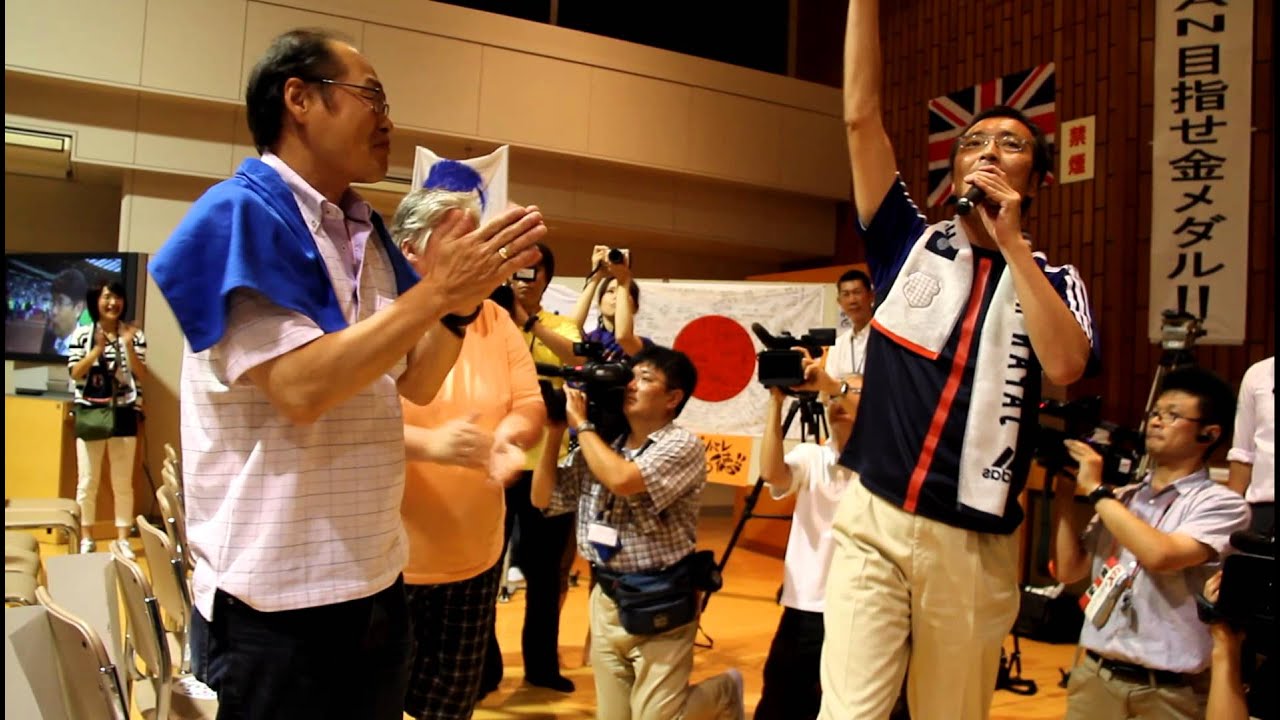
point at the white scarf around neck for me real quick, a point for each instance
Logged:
(933, 294)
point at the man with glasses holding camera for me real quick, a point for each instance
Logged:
(967, 319)
(637, 500)
(1149, 548)
(304, 325)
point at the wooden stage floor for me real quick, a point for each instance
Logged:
(741, 618)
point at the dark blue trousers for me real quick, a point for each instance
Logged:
(346, 660)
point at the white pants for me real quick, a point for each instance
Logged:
(89, 462)
(906, 591)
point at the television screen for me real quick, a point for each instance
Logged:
(45, 294)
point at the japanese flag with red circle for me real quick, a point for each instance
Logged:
(711, 323)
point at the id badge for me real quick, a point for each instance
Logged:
(1102, 596)
(604, 539)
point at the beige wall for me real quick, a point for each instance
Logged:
(466, 74)
(618, 143)
(152, 206)
(48, 215)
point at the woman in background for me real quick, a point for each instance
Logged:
(616, 328)
(107, 358)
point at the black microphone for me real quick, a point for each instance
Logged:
(966, 204)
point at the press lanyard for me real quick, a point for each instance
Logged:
(605, 515)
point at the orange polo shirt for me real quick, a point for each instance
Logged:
(453, 515)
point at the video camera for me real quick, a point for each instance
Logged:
(1179, 331)
(1121, 448)
(780, 363)
(604, 384)
(1246, 597)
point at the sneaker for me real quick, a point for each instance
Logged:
(87, 545)
(737, 705)
(127, 550)
(515, 576)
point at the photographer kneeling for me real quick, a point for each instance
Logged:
(1149, 548)
(637, 503)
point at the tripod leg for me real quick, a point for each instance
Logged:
(748, 508)
(749, 504)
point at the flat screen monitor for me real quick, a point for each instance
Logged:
(46, 295)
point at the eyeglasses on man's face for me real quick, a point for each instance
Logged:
(1007, 142)
(1169, 417)
(372, 96)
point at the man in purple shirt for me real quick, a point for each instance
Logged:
(1149, 549)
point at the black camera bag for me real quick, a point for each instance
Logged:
(654, 602)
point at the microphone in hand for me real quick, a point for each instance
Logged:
(971, 200)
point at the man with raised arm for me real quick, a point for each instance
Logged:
(924, 570)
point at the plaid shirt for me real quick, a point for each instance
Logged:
(656, 527)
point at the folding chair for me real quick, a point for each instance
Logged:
(39, 518)
(164, 694)
(21, 540)
(175, 523)
(23, 561)
(169, 580)
(31, 685)
(19, 588)
(88, 674)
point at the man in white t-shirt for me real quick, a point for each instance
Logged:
(812, 473)
(1253, 449)
(856, 298)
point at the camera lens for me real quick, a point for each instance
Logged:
(615, 256)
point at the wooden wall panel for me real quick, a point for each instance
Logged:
(1104, 55)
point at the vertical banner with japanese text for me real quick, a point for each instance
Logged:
(1200, 164)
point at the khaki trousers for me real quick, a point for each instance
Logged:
(905, 592)
(646, 677)
(1098, 695)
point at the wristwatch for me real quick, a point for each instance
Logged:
(587, 426)
(1098, 493)
(846, 388)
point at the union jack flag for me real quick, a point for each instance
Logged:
(1031, 91)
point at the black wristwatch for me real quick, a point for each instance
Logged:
(457, 324)
(1098, 493)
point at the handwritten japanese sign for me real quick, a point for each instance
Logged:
(1200, 169)
(728, 458)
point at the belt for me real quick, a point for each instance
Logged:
(1137, 673)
